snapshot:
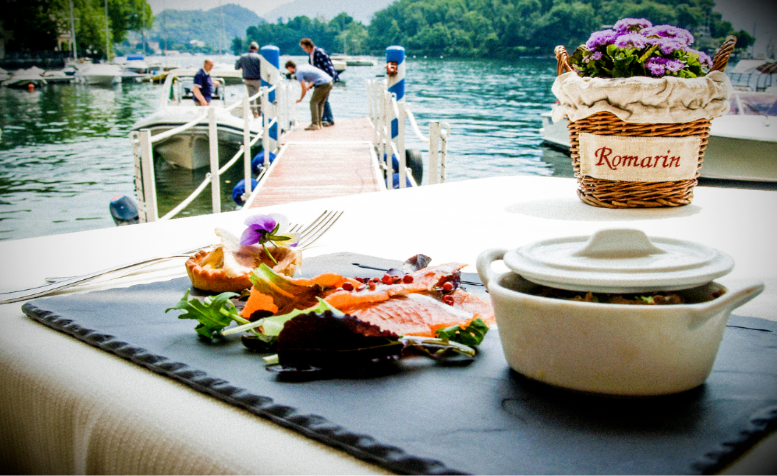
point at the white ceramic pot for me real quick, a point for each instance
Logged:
(615, 349)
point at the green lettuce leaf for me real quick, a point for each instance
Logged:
(212, 313)
(473, 335)
(272, 326)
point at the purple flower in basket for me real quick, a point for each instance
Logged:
(631, 25)
(600, 38)
(704, 58)
(597, 55)
(668, 31)
(631, 40)
(666, 45)
(656, 66)
(674, 65)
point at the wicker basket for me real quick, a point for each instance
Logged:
(622, 194)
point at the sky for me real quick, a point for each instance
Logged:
(743, 14)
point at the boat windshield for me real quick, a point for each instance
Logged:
(753, 104)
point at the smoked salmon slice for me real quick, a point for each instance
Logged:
(414, 315)
(410, 307)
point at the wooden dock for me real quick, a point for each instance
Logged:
(331, 162)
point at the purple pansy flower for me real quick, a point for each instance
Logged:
(631, 25)
(600, 38)
(597, 55)
(259, 226)
(631, 40)
(268, 228)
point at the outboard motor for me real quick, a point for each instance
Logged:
(123, 210)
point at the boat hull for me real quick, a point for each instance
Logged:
(740, 159)
(101, 80)
(191, 149)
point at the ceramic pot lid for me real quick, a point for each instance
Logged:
(618, 261)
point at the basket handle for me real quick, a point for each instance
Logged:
(563, 60)
(721, 57)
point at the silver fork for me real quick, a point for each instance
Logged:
(308, 235)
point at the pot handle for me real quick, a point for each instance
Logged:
(484, 261)
(739, 292)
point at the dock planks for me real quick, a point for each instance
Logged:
(331, 162)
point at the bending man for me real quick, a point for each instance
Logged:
(321, 60)
(251, 64)
(203, 84)
(310, 76)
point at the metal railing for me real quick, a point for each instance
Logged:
(389, 138)
(142, 142)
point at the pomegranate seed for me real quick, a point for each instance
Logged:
(448, 300)
(347, 286)
(361, 280)
(447, 287)
(387, 279)
(407, 279)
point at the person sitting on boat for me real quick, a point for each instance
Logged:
(310, 76)
(251, 63)
(321, 60)
(203, 84)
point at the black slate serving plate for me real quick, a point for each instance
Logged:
(422, 416)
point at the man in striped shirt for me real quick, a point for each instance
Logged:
(321, 60)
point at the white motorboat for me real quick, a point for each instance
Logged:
(355, 60)
(742, 144)
(59, 75)
(339, 65)
(191, 149)
(99, 74)
(135, 70)
(24, 77)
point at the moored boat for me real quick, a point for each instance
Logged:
(355, 60)
(191, 149)
(25, 77)
(100, 74)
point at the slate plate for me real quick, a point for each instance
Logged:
(424, 417)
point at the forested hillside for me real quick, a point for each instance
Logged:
(490, 28)
(180, 27)
(498, 28)
(342, 33)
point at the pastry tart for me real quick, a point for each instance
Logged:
(228, 266)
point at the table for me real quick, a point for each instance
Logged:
(66, 407)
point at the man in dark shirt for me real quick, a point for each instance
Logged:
(321, 60)
(251, 63)
(203, 84)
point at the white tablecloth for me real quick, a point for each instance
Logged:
(66, 407)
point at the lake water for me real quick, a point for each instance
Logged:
(65, 151)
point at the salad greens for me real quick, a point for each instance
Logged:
(472, 335)
(213, 313)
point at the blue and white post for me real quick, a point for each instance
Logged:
(396, 85)
(271, 76)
